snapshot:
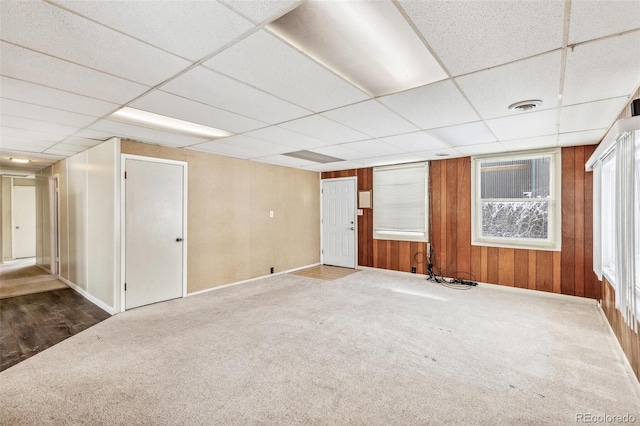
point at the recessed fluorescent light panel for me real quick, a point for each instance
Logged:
(313, 156)
(170, 124)
(20, 160)
(369, 43)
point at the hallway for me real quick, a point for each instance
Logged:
(37, 311)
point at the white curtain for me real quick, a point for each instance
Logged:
(625, 228)
(597, 220)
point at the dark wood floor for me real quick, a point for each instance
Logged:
(32, 323)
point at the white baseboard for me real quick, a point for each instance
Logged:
(251, 279)
(88, 296)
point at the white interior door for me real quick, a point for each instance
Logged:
(24, 221)
(154, 219)
(339, 222)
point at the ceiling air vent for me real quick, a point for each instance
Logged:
(525, 105)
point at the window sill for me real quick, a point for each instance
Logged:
(519, 246)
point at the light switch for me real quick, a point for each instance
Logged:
(270, 213)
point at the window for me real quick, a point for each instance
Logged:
(608, 217)
(516, 200)
(400, 202)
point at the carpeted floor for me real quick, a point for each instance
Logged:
(21, 277)
(374, 347)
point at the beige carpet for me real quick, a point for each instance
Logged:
(20, 277)
(374, 348)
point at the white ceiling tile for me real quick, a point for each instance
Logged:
(549, 141)
(128, 131)
(473, 35)
(283, 136)
(285, 73)
(184, 109)
(68, 36)
(592, 115)
(21, 144)
(191, 29)
(82, 142)
(373, 148)
(492, 91)
(36, 112)
(64, 149)
(216, 147)
(259, 146)
(480, 149)
(30, 66)
(371, 118)
(593, 19)
(602, 69)
(391, 159)
(330, 167)
(18, 90)
(464, 134)
(209, 87)
(435, 154)
(325, 129)
(435, 105)
(339, 151)
(527, 125)
(414, 142)
(8, 132)
(260, 11)
(93, 134)
(285, 160)
(37, 125)
(588, 137)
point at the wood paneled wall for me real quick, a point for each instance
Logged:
(629, 340)
(569, 271)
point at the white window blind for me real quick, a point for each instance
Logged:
(400, 202)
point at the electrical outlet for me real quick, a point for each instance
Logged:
(413, 270)
(273, 269)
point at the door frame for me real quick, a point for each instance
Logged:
(355, 216)
(54, 224)
(123, 208)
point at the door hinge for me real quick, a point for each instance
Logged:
(125, 174)
(125, 286)
(322, 251)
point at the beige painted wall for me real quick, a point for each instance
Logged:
(230, 235)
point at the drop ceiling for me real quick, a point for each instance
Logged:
(66, 66)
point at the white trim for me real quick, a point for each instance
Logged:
(554, 240)
(88, 296)
(220, 287)
(355, 217)
(12, 222)
(609, 141)
(123, 245)
(117, 209)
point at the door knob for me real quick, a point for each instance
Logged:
(179, 240)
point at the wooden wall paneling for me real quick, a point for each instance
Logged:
(382, 259)
(404, 256)
(484, 264)
(544, 271)
(568, 221)
(506, 266)
(492, 265)
(628, 339)
(442, 260)
(533, 269)
(476, 263)
(435, 208)
(521, 268)
(591, 284)
(452, 223)
(579, 223)
(394, 254)
(463, 218)
(557, 272)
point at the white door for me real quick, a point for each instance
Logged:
(339, 222)
(24, 221)
(154, 196)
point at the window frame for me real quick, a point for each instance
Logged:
(608, 217)
(554, 240)
(399, 236)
